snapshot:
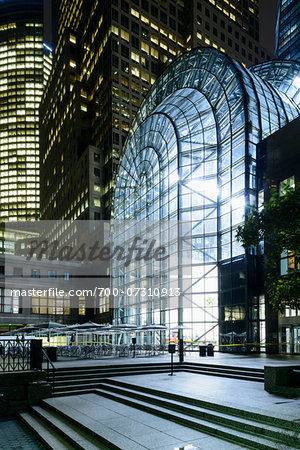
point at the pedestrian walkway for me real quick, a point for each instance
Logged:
(15, 436)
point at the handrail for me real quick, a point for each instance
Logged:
(48, 371)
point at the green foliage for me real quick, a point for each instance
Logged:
(284, 291)
(278, 224)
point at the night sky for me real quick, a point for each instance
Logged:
(268, 10)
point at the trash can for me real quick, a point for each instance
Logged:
(202, 350)
(52, 353)
(210, 350)
(36, 354)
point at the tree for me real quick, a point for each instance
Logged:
(278, 225)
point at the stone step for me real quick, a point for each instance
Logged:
(74, 435)
(111, 373)
(97, 368)
(91, 375)
(210, 406)
(87, 384)
(200, 369)
(216, 430)
(47, 437)
(111, 438)
(59, 431)
(82, 388)
(85, 378)
(237, 376)
(244, 424)
(66, 392)
(213, 368)
(64, 371)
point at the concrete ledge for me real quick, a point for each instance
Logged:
(283, 380)
(19, 390)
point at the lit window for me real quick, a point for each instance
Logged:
(145, 47)
(154, 53)
(125, 126)
(81, 306)
(72, 39)
(135, 71)
(145, 76)
(154, 40)
(144, 19)
(115, 30)
(288, 183)
(135, 57)
(135, 13)
(125, 35)
(97, 202)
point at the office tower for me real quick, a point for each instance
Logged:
(25, 66)
(108, 56)
(288, 32)
(191, 157)
(232, 27)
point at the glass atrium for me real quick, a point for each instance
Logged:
(190, 157)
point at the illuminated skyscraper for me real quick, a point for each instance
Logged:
(108, 56)
(288, 29)
(24, 68)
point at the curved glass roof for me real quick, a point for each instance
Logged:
(191, 156)
(284, 75)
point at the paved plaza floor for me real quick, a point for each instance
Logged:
(15, 436)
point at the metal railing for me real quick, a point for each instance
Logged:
(14, 355)
(95, 351)
(50, 376)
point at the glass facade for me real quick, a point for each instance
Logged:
(24, 68)
(191, 156)
(288, 31)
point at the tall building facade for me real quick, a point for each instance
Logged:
(108, 56)
(288, 30)
(25, 64)
(190, 157)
